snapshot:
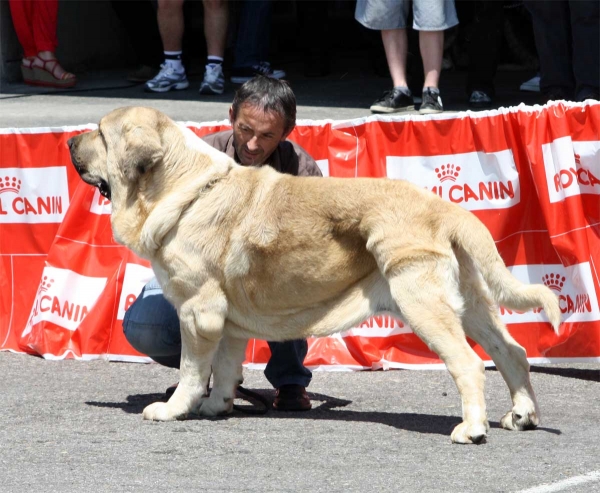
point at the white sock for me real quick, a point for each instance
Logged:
(173, 60)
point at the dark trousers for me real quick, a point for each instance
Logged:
(139, 20)
(567, 37)
(254, 34)
(484, 41)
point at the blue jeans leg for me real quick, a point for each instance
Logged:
(286, 365)
(151, 326)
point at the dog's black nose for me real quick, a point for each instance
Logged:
(70, 142)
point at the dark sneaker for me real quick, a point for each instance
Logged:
(291, 398)
(214, 80)
(480, 99)
(142, 73)
(244, 74)
(432, 102)
(167, 79)
(393, 101)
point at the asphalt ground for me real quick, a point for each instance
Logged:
(75, 425)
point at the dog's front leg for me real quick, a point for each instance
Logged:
(201, 320)
(227, 375)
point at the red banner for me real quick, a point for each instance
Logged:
(531, 174)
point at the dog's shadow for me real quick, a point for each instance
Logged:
(328, 409)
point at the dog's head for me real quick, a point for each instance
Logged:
(126, 145)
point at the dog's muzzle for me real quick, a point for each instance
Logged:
(99, 183)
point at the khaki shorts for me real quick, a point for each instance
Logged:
(429, 15)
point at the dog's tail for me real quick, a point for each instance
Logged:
(475, 239)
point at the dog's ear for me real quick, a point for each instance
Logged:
(143, 149)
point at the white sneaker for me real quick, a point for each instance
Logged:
(167, 79)
(531, 85)
(214, 80)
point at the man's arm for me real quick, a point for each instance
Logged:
(296, 161)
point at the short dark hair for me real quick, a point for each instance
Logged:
(268, 94)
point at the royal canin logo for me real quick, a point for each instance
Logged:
(573, 286)
(64, 298)
(474, 180)
(382, 322)
(572, 168)
(10, 184)
(33, 195)
(484, 190)
(579, 175)
(447, 172)
(45, 285)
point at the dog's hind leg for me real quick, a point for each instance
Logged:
(227, 376)
(201, 320)
(429, 301)
(482, 323)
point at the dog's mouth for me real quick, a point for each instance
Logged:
(103, 188)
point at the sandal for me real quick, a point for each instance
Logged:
(46, 75)
(27, 70)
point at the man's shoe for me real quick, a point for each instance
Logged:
(291, 398)
(531, 85)
(244, 74)
(142, 73)
(432, 102)
(167, 79)
(393, 101)
(214, 80)
(479, 100)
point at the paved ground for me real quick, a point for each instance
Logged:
(75, 426)
(345, 94)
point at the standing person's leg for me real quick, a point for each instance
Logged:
(552, 32)
(483, 51)
(585, 27)
(171, 26)
(151, 326)
(286, 372)
(390, 17)
(22, 14)
(395, 44)
(431, 45)
(139, 21)
(252, 43)
(46, 69)
(431, 18)
(216, 20)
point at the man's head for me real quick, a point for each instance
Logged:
(262, 115)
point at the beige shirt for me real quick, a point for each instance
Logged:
(288, 157)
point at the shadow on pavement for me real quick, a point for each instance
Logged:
(579, 373)
(327, 410)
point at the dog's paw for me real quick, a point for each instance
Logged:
(519, 420)
(215, 406)
(470, 433)
(161, 411)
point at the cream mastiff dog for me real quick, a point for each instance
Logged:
(245, 252)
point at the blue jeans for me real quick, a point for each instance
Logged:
(151, 326)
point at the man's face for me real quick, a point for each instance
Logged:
(256, 134)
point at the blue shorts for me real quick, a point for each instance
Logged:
(428, 15)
